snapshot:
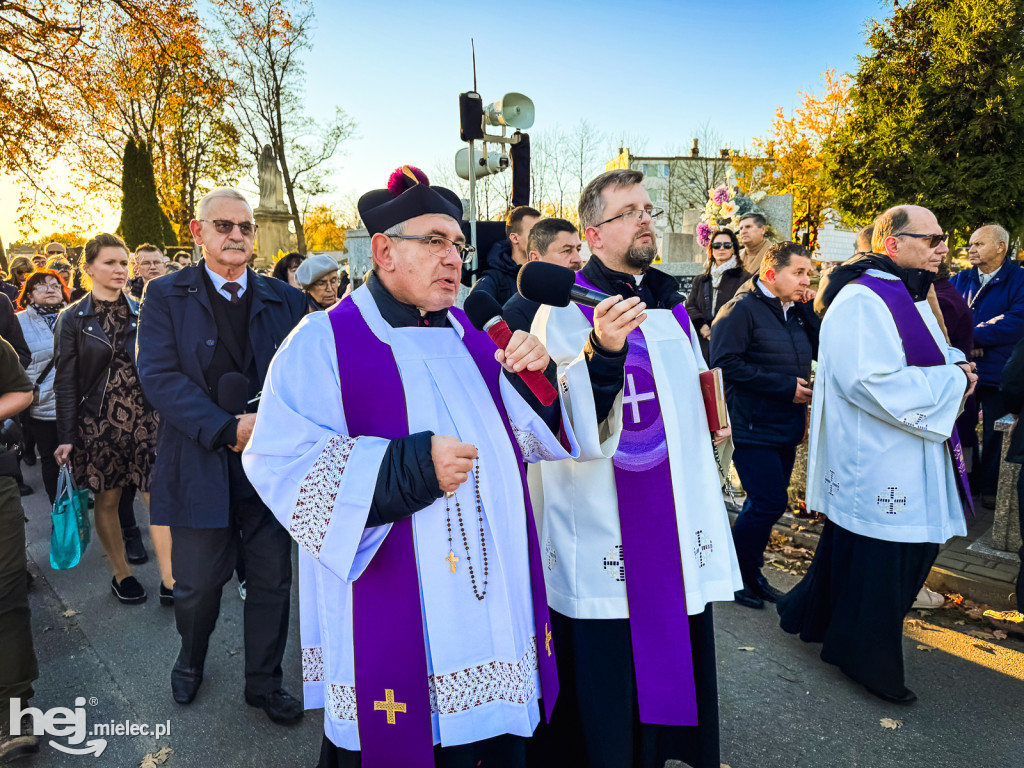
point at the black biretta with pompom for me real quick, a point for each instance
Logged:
(407, 196)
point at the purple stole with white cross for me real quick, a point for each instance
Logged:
(921, 350)
(392, 687)
(652, 562)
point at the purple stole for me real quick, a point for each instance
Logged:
(392, 687)
(921, 350)
(658, 620)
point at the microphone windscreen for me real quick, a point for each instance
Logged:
(480, 307)
(233, 392)
(546, 283)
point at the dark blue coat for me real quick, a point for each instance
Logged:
(998, 316)
(762, 353)
(176, 341)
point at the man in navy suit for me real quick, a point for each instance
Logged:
(206, 337)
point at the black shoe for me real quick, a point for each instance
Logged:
(129, 590)
(13, 747)
(749, 598)
(280, 706)
(987, 500)
(185, 682)
(29, 459)
(134, 550)
(166, 595)
(907, 697)
(766, 591)
(25, 489)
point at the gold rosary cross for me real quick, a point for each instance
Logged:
(452, 559)
(547, 639)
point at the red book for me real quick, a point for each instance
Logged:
(712, 387)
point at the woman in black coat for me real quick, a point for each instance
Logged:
(712, 290)
(105, 427)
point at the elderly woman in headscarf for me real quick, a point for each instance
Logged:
(318, 277)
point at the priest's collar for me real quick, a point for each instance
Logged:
(400, 315)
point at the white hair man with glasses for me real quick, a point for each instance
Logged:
(885, 464)
(425, 628)
(636, 540)
(205, 340)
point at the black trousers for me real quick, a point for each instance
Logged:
(18, 667)
(993, 408)
(596, 722)
(1020, 513)
(45, 435)
(853, 600)
(204, 559)
(764, 471)
(505, 751)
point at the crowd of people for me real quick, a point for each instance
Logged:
(492, 574)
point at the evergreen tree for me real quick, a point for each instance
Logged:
(142, 218)
(939, 116)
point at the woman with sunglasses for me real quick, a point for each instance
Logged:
(20, 268)
(43, 296)
(105, 427)
(719, 282)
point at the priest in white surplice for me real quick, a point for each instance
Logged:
(389, 443)
(884, 462)
(636, 541)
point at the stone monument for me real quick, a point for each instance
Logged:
(272, 214)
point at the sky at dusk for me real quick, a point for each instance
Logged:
(654, 69)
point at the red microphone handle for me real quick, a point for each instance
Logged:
(538, 383)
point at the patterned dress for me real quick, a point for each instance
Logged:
(117, 448)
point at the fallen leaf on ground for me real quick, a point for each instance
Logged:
(913, 623)
(999, 634)
(975, 613)
(960, 623)
(795, 527)
(153, 759)
(956, 598)
(980, 634)
(69, 613)
(745, 648)
(925, 648)
(892, 725)
(925, 613)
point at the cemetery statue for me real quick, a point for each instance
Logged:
(271, 193)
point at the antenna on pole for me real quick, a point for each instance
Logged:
(472, 45)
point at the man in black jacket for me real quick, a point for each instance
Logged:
(1012, 390)
(205, 340)
(555, 241)
(764, 341)
(507, 256)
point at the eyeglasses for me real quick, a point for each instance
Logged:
(321, 284)
(440, 246)
(637, 214)
(932, 240)
(226, 226)
(47, 286)
(720, 246)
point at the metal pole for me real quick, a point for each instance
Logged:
(472, 202)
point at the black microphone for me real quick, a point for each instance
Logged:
(554, 285)
(233, 392)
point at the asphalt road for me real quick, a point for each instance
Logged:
(780, 704)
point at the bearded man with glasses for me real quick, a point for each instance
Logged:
(885, 463)
(636, 540)
(205, 340)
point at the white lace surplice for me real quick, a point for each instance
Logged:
(319, 483)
